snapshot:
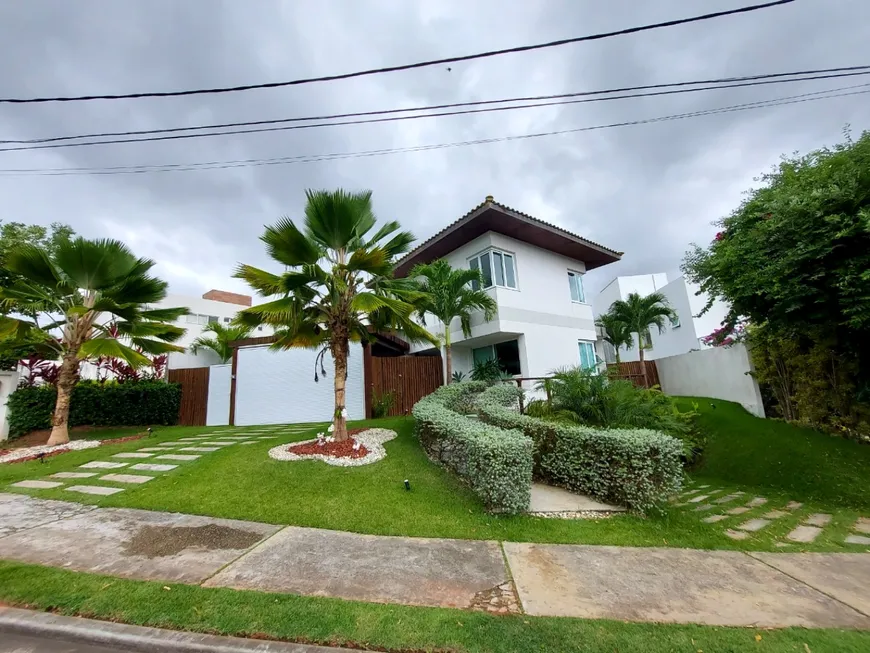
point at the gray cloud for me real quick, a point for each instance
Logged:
(648, 190)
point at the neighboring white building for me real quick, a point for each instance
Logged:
(680, 336)
(534, 271)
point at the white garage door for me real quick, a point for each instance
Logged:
(277, 387)
(218, 411)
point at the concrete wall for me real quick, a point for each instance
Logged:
(718, 372)
(218, 410)
(8, 384)
(277, 387)
(185, 360)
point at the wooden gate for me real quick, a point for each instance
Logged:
(409, 378)
(194, 395)
(632, 371)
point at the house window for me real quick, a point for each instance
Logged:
(575, 283)
(506, 353)
(226, 320)
(497, 267)
(675, 321)
(212, 319)
(646, 340)
(588, 360)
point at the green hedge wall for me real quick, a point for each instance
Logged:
(637, 468)
(496, 463)
(96, 404)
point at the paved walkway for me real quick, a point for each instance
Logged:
(725, 588)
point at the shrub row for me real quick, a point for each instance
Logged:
(496, 463)
(96, 404)
(637, 468)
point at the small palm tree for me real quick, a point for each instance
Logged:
(80, 298)
(638, 314)
(449, 296)
(616, 332)
(337, 285)
(221, 337)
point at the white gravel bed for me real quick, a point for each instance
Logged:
(371, 439)
(75, 445)
(576, 514)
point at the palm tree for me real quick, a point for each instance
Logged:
(638, 314)
(449, 295)
(221, 338)
(75, 297)
(615, 331)
(337, 283)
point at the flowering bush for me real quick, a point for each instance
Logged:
(726, 336)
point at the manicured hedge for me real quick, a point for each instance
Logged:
(637, 468)
(139, 403)
(496, 463)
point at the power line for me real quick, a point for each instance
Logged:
(421, 64)
(591, 96)
(314, 158)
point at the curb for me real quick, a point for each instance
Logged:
(139, 638)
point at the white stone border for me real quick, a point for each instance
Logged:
(75, 445)
(371, 439)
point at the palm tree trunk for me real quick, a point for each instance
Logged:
(66, 380)
(617, 355)
(448, 356)
(339, 354)
(642, 363)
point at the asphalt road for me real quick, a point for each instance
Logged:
(10, 643)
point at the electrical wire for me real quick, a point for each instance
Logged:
(314, 158)
(421, 64)
(536, 101)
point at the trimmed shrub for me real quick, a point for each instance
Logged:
(96, 404)
(637, 468)
(496, 463)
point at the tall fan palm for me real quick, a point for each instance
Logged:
(616, 332)
(449, 295)
(337, 286)
(73, 295)
(638, 314)
(220, 339)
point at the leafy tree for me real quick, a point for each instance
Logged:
(219, 341)
(72, 295)
(337, 285)
(16, 234)
(638, 314)
(449, 296)
(616, 332)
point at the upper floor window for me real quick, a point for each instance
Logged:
(588, 360)
(575, 282)
(675, 321)
(198, 318)
(497, 267)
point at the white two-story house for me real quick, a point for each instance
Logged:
(534, 271)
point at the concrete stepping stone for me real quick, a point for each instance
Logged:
(73, 475)
(858, 539)
(736, 535)
(775, 514)
(248, 442)
(152, 467)
(177, 456)
(103, 464)
(132, 454)
(793, 505)
(818, 519)
(739, 510)
(699, 499)
(862, 525)
(728, 498)
(704, 507)
(36, 485)
(94, 489)
(712, 519)
(200, 449)
(754, 525)
(218, 443)
(127, 478)
(703, 486)
(187, 439)
(152, 449)
(757, 501)
(804, 534)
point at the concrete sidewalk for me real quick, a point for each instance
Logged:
(726, 588)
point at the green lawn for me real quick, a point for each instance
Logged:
(383, 627)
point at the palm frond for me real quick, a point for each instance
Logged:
(288, 245)
(164, 314)
(34, 265)
(112, 348)
(97, 264)
(334, 219)
(155, 347)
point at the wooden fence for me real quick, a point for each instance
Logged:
(409, 378)
(632, 371)
(194, 395)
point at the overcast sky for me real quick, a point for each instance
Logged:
(647, 190)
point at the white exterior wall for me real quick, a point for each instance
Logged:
(182, 360)
(8, 384)
(222, 310)
(218, 409)
(718, 372)
(277, 387)
(539, 313)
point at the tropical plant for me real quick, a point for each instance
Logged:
(220, 339)
(457, 377)
(638, 314)
(616, 332)
(16, 234)
(450, 296)
(382, 404)
(489, 371)
(337, 285)
(76, 295)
